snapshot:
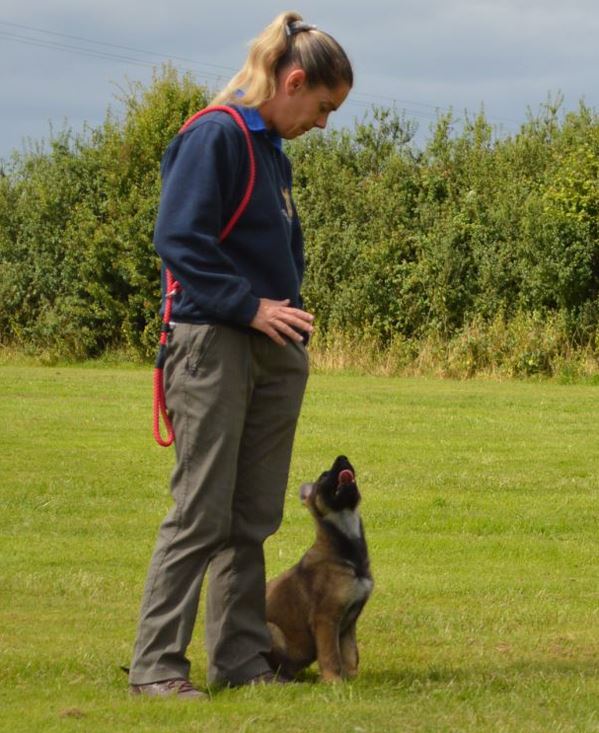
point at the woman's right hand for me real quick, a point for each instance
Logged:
(278, 320)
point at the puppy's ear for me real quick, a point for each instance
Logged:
(305, 492)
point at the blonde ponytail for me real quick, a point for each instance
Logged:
(284, 42)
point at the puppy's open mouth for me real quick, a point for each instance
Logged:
(345, 479)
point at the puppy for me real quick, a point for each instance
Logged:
(312, 608)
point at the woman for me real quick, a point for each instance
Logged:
(236, 365)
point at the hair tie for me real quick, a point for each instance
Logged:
(297, 26)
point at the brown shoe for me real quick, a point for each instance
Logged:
(169, 688)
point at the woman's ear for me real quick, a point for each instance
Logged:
(294, 81)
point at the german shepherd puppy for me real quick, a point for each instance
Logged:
(312, 608)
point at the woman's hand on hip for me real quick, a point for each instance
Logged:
(277, 319)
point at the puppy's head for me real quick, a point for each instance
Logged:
(334, 491)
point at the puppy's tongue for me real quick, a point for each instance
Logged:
(346, 477)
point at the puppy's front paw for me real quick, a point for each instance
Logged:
(331, 677)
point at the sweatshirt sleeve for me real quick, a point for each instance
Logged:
(297, 239)
(199, 174)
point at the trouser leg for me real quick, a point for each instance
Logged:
(208, 382)
(236, 634)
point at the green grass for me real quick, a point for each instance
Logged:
(480, 503)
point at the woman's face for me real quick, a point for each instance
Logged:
(297, 108)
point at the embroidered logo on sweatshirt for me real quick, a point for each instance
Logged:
(288, 210)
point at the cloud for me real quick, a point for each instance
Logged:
(505, 54)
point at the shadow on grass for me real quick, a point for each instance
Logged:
(508, 676)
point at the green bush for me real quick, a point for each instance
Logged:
(431, 250)
(78, 272)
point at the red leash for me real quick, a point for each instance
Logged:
(173, 287)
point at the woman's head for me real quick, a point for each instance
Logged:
(292, 67)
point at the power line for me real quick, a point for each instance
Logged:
(66, 47)
(115, 45)
(353, 100)
(364, 100)
(102, 54)
(435, 109)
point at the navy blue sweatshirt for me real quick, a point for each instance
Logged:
(204, 177)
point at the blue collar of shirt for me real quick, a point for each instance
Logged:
(253, 119)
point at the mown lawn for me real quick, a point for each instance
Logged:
(480, 501)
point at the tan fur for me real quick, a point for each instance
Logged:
(313, 607)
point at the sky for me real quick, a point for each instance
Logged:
(63, 63)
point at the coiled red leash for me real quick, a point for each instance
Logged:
(172, 286)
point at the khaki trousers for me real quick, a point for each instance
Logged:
(234, 399)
